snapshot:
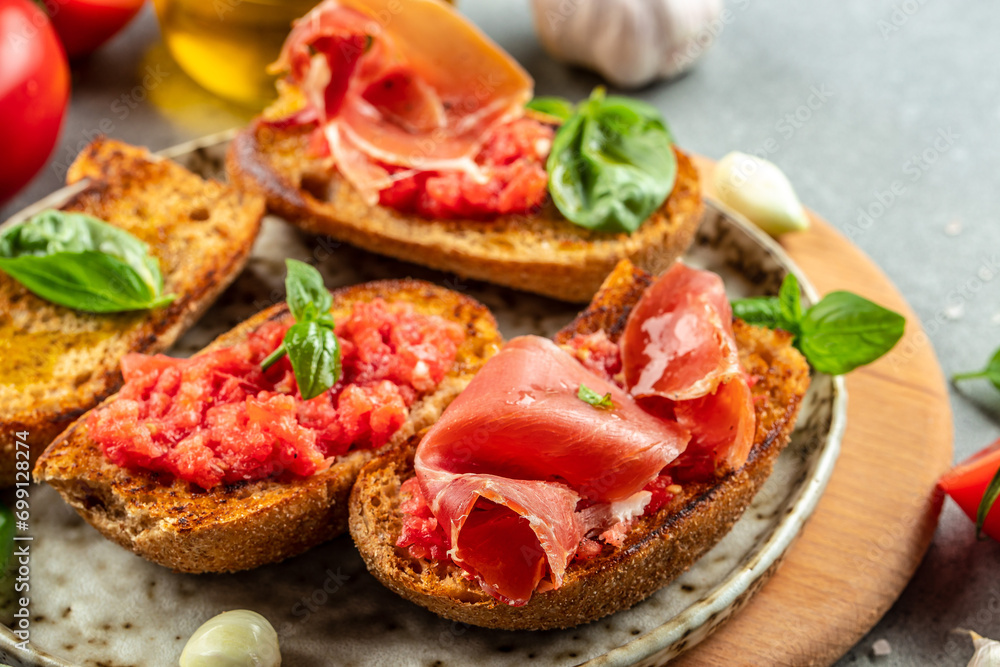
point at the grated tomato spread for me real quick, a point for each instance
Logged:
(511, 177)
(217, 418)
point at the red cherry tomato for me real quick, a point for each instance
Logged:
(34, 87)
(84, 25)
(966, 483)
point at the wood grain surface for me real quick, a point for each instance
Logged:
(878, 514)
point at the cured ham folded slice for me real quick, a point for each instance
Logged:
(519, 469)
(413, 86)
(679, 356)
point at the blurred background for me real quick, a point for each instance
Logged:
(860, 102)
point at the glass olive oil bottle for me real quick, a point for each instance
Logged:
(226, 45)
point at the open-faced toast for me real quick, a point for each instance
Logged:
(247, 524)
(541, 252)
(57, 362)
(657, 548)
(410, 138)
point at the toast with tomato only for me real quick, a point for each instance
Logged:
(57, 362)
(424, 94)
(247, 524)
(657, 548)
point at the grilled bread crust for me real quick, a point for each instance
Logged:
(542, 252)
(58, 362)
(658, 547)
(245, 525)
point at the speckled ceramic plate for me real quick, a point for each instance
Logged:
(93, 603)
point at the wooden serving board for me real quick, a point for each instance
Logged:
(877, 518)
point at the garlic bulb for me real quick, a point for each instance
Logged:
(629, 42)
(238, 638)
(987, 651)
(760, 191)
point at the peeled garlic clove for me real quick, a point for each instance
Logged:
(238, 638)
(760, 191)
(987, 651)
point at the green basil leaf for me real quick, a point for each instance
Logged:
(612, 164)
(80, 262)
(989, 499)
(588, 395)
(647, 111)
(781, 312)
(763, 311)
(844, 331)
(53, 231)
(311, 343)
(314, 352)
(307, 296)
(790, 300)
(553, 106)
(88, 281)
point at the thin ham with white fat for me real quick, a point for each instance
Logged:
(679, 355)
(519, 468)
(390, 93)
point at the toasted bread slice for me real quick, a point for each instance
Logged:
(542, 253)
(57, 362)
(658, 548)
(242, 526)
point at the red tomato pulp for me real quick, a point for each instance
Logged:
(513, 158)
(217, 418)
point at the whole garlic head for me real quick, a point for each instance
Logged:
(629, 42)
(238, 638)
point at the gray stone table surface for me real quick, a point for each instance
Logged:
(859, 101)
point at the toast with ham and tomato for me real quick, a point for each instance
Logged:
(213, 464)
(574, 478)
(409, 137)
(59, 362)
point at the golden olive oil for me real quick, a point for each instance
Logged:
(226, 45)
(32, 358)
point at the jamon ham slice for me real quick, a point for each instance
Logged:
(519, 469)
(678, 352)
(392, 91)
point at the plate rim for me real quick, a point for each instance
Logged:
(714, 603)
(770, 555)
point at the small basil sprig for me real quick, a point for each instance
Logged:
(612, 163)
(311, 344)
(588, 395)
(991, 372)
(840, 333)
(80, 262)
